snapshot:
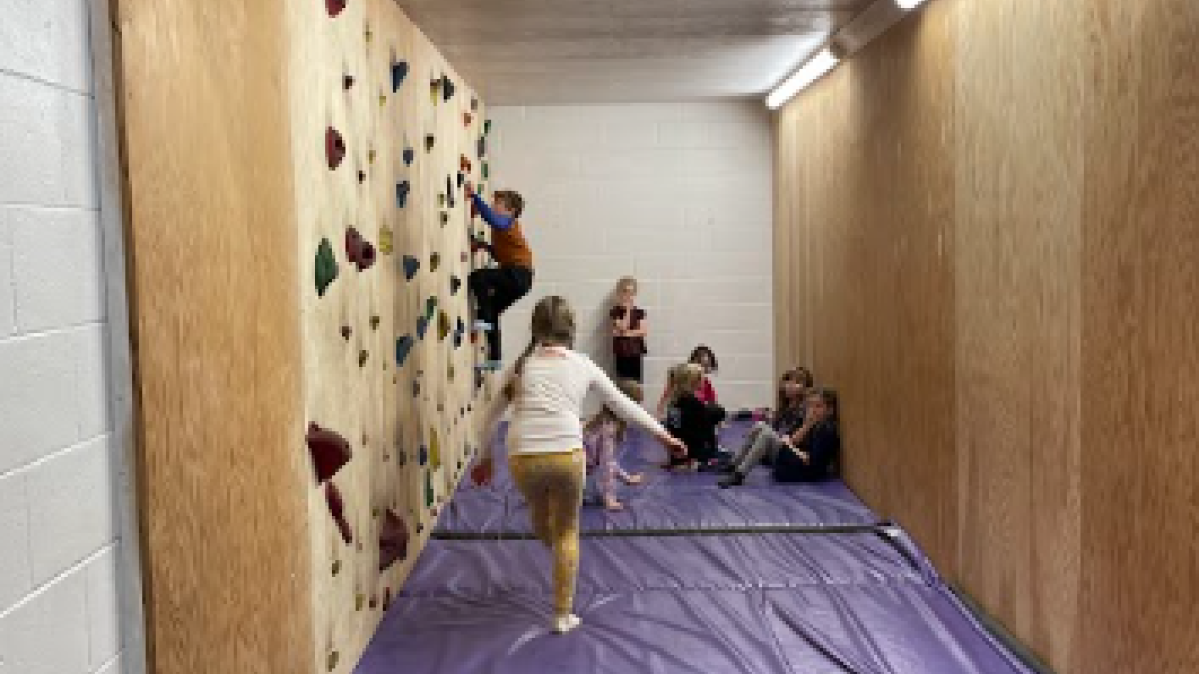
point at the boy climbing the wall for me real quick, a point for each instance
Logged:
(497, 289)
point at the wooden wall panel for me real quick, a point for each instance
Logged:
(1018, 103)
(1022, 398)
(1140, 351)
(216, 335)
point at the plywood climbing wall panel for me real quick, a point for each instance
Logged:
(385, 134)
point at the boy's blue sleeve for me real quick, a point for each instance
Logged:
(492, 218)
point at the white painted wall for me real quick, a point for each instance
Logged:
(68, 583)
(678, 195)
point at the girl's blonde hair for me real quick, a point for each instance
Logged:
(631, 389)
(683, 378)
(626, 281)
(553, 324)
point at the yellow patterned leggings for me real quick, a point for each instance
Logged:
(552, 485)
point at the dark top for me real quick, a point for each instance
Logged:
(787, 421)
(628, 347)
(823, 445)
(695, 423)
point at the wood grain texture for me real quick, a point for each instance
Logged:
(372, 404)
(1140, 349)
(215, 313)
(1023, 398)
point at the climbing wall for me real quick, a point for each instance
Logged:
(384, 136)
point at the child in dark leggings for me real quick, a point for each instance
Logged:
(763, 441)
(691, 420)
(809, 454)
(497, 289)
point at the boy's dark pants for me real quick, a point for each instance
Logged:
(495, 290)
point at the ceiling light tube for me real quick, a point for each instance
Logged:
(811, 71)
(909, 4)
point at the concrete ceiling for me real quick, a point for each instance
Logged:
(527, 52)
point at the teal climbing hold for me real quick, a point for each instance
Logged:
(403, 348)
(411, 266)
(326, 267)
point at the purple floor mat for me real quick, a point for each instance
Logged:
(665, 500)
(633, 564)
(881, 628)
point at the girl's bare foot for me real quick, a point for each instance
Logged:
(635, 478)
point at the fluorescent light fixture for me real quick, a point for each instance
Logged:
(909, 4)
(811, 71)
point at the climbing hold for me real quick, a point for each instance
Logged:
(399, 70)
(455, 284)
(370, 156)
(402, 458)
(424, 455)
(450, 371)
(346, 332)
(434, 261)
(449, 189)
(334, 7)
(362, 356)
(429, 142)
(361, 176)
(464, 256)
(467, 118)
(367, 34)
(359, 250)
(334, 656)
(330, 451)
(435, 89)
(374, 601)
(326, 266)
(374, 322)
(422, 326)
(487, 126)
(385, 241)
(445, 218)
(447, 88)
(430, 306)
(387, 592)
(403, 348)
(359, 601)
(474, 104)
(434, 448)
(464, 164)
(347, 81)
(481, 148)
(415, 388)
(429, 493)
(335, 148)
(441, 200)
(486, 171)
(461, 179)
(402, 189)
(382, 100)
(336, 566)
(443, 326)
(409, 156)
(411, 266)
(337, 510)
(393, 542)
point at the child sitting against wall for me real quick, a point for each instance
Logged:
(601, 436)
(762, 443)
(690, 419)
(807, 455)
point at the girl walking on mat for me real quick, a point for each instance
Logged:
(545, 389)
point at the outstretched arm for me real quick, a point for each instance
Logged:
(497, 221)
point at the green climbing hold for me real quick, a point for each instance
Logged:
(428, 489)
(434, 261)
(487, 126)
(430, 308)
(326, 267)
(486, 171)
(434, 449)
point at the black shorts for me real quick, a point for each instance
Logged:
(629, 367)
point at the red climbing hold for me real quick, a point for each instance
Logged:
(393, 540)
(335, 148)
(359, 250)
(335, 6)
(330, 451)
(337, 510)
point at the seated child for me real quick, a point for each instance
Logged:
(691, 420)
(763, 441)
(704, 357)
(601, 435)
(810, 453)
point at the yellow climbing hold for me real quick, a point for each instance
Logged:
(434, 448)
(385, 241)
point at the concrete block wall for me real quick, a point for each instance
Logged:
(678, 195)
(63, 608)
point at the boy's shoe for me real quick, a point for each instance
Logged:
(490, 366)
(731, 481)
(482, 326)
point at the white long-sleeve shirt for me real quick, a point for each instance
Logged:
(549, 399)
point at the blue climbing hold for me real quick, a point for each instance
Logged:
(455, 284)
(403, 348)
(422, 326)
(411, 266)
(424, 455)
(402, 189)
(409, 156)
(399, 70)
